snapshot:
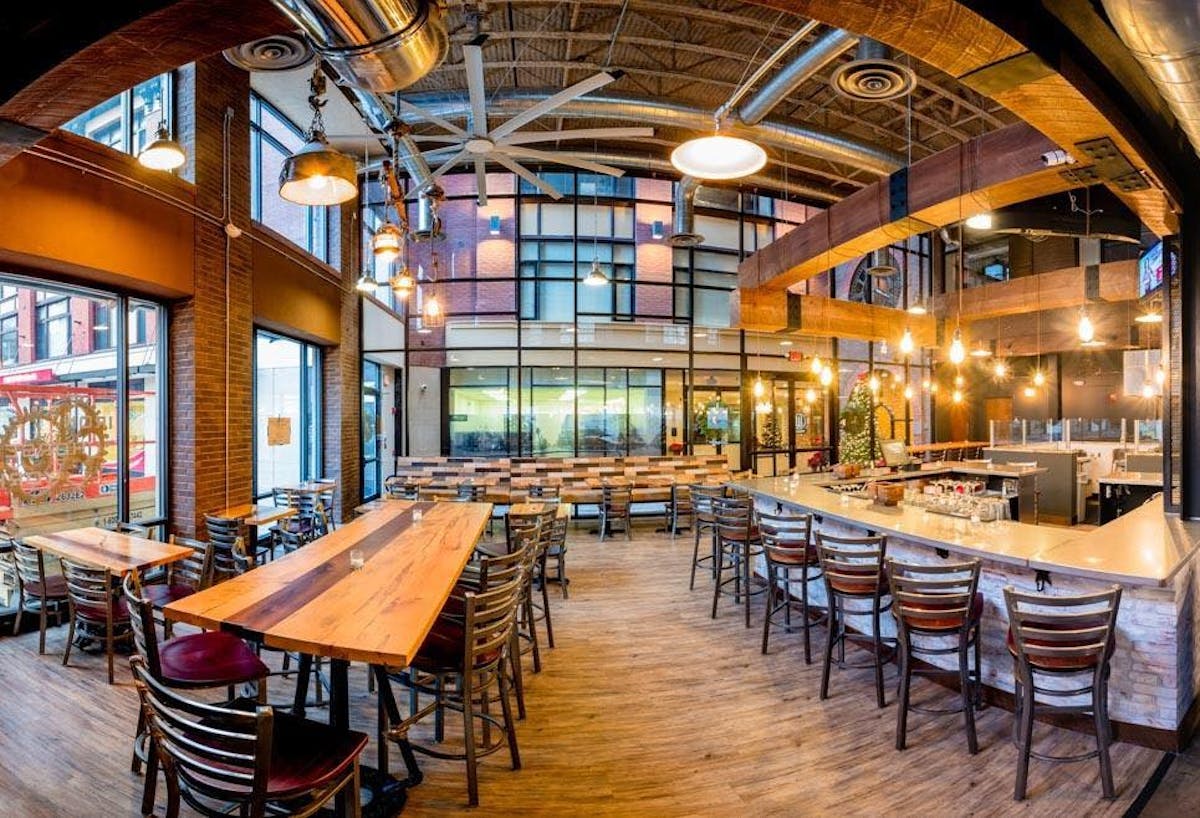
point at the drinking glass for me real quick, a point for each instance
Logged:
(356, 559)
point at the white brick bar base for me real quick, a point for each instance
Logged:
(1155, 675)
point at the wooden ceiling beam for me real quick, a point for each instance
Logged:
(1117, 282)
(824, 317)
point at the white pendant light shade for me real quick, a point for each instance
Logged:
(1086, 329)
(980, 221)
(164, 153)
(958, 352)
(317, 174)
(386, 243)
(595, 276)
(906, 342)
(366, 283)
(718, 157)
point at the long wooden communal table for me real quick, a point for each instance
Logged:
(100, 548)
(312, 602)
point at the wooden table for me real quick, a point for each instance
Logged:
(100, 548)
(311, 487)
(533, 507)
(255, 514)
(312, 602)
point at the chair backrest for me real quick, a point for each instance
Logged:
(8, 565)
(305, 502)
(223, 533)
(734, 516)
(934, 595)
(617, 498)
(245, 559)
(558, 533)
(471, 492)
(326, 498)
(541, 523)
(488, 625)
(133, 529)
(1069, 631)
(29, 562)
(196, 569)
(703, 497)
(141, 622)
(281, 497)
(681, 497)
(545, 491)
(786, 538)
(853, 564)
(90, 591)
(215, 751)
(495, 571)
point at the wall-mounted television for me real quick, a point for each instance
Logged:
(1150, 270)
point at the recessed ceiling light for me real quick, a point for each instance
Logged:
(656, 358)
(785, 343)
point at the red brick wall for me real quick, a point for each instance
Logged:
(342, 373)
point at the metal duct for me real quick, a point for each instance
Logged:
(781, 135)
(379, 45)
(873, 75)
(683, 232)
(429, 223)
(1164, 36)
(379, 116)
(826, 48)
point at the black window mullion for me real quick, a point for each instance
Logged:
(122, 340)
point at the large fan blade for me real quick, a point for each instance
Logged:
(434, 118)
(473, 61)
(550, 103)
(579, 133)
(558, 158)
(443, 138)
(480, 181)
(526, 174)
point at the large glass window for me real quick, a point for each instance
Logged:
(129, 121)
(81, 429)
(371, 390)
(272, 139)
(287, 411)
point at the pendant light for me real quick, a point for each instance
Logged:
(826, 376)
(403, 283)
(432, 314)
(908, 392)
(718, 156)
(318, 174)
(760, 388)
(956, 396)
(873, 383)
(1039, 378)
(959, 380)
(595, 276)
(1160, 375)
(980, 221)
(366, 283)
(881, 265)
(1000, 368)
(1086, 329)
(906, 343)
(958, 352)
(164, 153)
(815, 366)
(810, 396)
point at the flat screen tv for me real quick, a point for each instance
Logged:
(1150, 270)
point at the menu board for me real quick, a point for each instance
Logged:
(1150, 270)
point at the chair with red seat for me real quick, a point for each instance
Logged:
(36, 590)
(1062, 637)
(932, 603)
(183, 577)
(853, 571)
(95, 609)
(221, 760)
(738, 544)
(787, 547)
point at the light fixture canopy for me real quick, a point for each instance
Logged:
(980, 221)
(595, 276)
(164, 153)
(718, 157)
(318, 174)
(958, 352)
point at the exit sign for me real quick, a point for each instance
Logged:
(795, 356)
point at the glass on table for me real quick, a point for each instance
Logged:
(357, 559)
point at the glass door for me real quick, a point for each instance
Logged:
(371, 386)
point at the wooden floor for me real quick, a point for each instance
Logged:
(646, 707)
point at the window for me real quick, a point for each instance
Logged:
(138, 326)
(53, 338)
(102, 332)
(272, 139)
(129, 121)
(704, 280)
(10, 338)
(287, 413)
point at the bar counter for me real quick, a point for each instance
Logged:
(1155, 675)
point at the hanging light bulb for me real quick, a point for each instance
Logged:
(908, 392)
(1039, 378)
(815, 366)
(956, 396)
(318, 174)
(906, 342)
(366, 283)
(1086, 329)
(826, 376)
(403, 283)
(1147, 390)
(873, 382)
(810, 396)
(760, 388)
(386, 243)
(1029, 392)
(925, 384)
(1000, 368)
(958, 352)
(958, 380)
(980, 221)
(164, 153)
(595, 276)
(432, 315)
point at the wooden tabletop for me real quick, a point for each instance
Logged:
(311, 487)
(255, 513)
(313, 602)
(98, 547)
(534, 507)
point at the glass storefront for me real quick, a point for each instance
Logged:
(287, 412)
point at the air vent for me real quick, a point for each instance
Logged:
(872, 75)
(282, 52)
(684, 239)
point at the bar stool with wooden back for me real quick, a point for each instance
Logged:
(556, 551)
(854, 573)
(679, 509)
(36, 590)
(704, 521)
(787, 547)
(738, 544)
(933, 604)
(616, 504)
(95, 609)
(540, 526)
(223, 533)
(1062, 637)
(183, 577)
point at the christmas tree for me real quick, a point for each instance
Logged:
(772, 437)
(856, 422)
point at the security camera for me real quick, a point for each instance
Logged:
(1054, 158)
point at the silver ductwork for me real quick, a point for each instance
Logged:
(429, 223)
(683, 232)
(826, 48)
(780, 135)
(873, 76)
(1164, 37)
(378, 45)
(379, 116)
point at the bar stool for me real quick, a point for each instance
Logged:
(615, 507)
(853, 568)
(679, 509)
(787, 546)
(933, 603)
(738, 543)
(704, 520)
(1062, 637)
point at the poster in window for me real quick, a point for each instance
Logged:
(279, 431)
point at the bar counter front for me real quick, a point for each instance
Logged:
(1151, 555)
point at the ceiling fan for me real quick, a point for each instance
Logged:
(506, 144)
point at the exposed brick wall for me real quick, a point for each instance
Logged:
(342, 374)
(211, 423)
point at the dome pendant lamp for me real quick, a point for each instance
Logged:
(164, 153)
(318, 174)
(718, 156)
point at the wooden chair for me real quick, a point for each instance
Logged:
(223, 534)
(556, 551)
(853, 570)
(615, 506)
(95, 609)
(538, 527)
(787, 548)
(281, 497)
(679, 508)
(221, 760)
(327, 500)
(132, 529)
(36, 590)
(738, 544)
(704, 521)
(932, 604)
(471, 657)
(545, 492)
(183, 577)
(1062, 637)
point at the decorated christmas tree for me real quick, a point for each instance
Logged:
(855, 421)
(772, 436)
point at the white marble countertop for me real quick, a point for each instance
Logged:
(1134, 478)
(1144, 547)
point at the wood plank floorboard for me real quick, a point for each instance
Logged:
(646, 707)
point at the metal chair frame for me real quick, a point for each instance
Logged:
(787, 547)
(738, 544)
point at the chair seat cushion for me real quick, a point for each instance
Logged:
(160, 595)
(952, 621)
(1067, 663)
(442, 650)
(212, 658)
(795, 556)
(491, 549)
(55, 587)
(95, 611)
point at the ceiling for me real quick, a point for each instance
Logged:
(693, 54)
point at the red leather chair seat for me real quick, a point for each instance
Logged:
(492, 549)
(55, 587)
(95, 611)
(1055, 662)
(208, 659)
(160, 594)
(951, 622)
(847, 581)
(442, 650)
